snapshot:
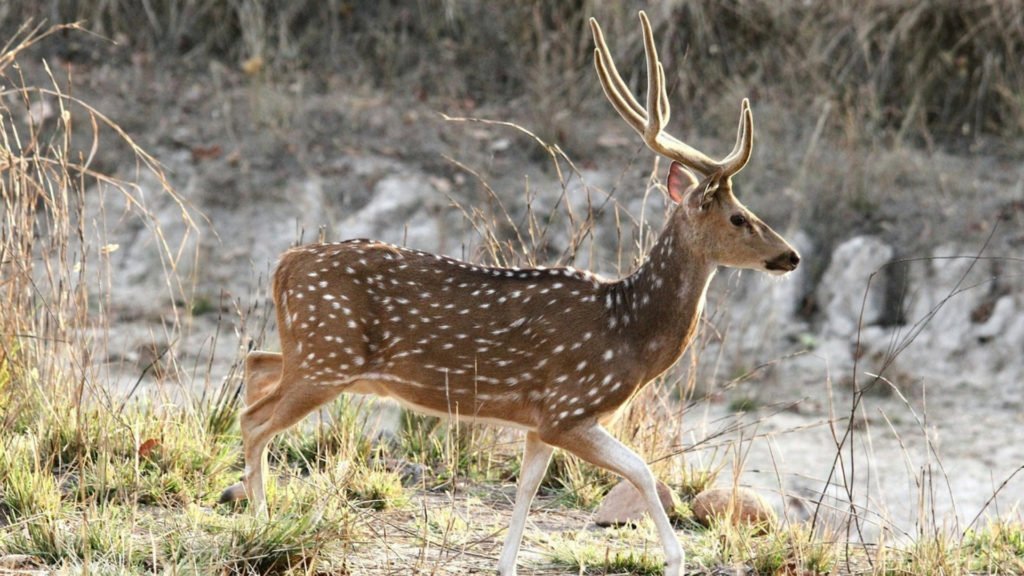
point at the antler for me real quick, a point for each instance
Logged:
(650, 123)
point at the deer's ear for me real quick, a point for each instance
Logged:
(681, 181)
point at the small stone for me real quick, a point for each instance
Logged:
(411, 472)
(741, 504)
(624, 505)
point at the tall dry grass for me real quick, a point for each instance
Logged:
(55, 275)
(928, 71)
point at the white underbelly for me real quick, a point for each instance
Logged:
(463, 414)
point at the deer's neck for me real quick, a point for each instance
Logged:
(661, 302)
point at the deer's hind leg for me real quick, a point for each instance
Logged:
(263, 395)
(594, 444)
(262, 373)
(279, 407)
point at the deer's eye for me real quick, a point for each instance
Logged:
(738, 220)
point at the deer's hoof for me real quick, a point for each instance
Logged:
(232, 493)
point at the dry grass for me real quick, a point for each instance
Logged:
(923, 70)
(95, 483)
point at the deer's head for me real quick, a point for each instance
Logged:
(708, 214)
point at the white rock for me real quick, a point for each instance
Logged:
(842, 288)
(396, 213)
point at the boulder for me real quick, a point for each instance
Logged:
(401, 211)
(741, 505)
(624, 505)
(841, 291)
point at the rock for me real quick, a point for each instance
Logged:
(841, 292)
(624, 505)
(966, 311)
(411, 473)
(399, 211)
(739, 504)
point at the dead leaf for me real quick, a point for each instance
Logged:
(253, 66)
(147, 447)
(200, 153)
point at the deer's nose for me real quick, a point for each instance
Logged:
(785, 262)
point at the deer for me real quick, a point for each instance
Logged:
(554, 352)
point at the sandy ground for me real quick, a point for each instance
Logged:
(910, 463)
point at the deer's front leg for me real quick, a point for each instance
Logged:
(594, 444)
(536, 456)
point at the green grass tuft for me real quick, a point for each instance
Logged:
(635, 551)
(27, 487)
(376, 489)
(288, 542)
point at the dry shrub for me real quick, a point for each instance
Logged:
(945, 69)
(53, 273)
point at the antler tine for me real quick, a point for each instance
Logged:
(615, 88)
(740, 154)
(664, 96)
(649, 123)
(655, 74)
(739, 134)
(656, 105)
(657, 98)
(623, 104)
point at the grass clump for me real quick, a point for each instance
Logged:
(635, 551)
(695, 479)
(288, 542)
(375, 488)
(576, 484)
(997, 549)
(179, 463)
(339, 431)
(451, 449)
(105, 535)
(43, 538)
(792, 549)
(100, 536)
(927, 554)
(27, 486)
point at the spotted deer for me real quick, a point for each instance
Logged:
(555, 352)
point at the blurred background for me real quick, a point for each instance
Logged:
(888, 149)
(898, 119)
